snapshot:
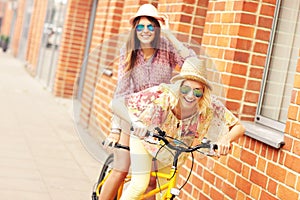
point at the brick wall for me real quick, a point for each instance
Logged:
(98, 89)
(237, 38)
(18, 27)
(2, 13)
(2, 8)
(236, 35)
(35, 34)
(72, 47)
(7, 19)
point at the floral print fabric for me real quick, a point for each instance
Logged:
(152, 107)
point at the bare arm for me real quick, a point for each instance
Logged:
(234, 133)
(119, 108)
(183, 51)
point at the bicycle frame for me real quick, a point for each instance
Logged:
(171, 177)
(171, 183)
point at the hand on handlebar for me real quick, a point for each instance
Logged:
(111, 140)
(139, 129)
(223, 146)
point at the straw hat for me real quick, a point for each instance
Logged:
(193, 68)
(146, 10)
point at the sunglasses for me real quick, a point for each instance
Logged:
(141, 27)
(184, 89)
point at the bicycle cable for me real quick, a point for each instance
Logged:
(155, 157)
(191, 169)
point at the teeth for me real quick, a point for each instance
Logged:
(190, 101)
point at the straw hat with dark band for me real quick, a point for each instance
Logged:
(146, 10)
(193, 68)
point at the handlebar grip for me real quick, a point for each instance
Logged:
(110, 144)
(215, 147)
(148, 133)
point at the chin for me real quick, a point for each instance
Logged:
(147, 42)
(187, 104)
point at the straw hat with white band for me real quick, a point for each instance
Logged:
(193, 68)
(146, 10)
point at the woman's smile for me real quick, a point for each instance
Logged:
(145, 35)
(188, 99)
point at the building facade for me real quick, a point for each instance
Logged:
(73, 47)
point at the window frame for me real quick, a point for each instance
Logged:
(263, 129)
(258, 117)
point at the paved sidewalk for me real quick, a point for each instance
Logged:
(41, 155)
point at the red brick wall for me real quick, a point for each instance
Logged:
(18, 27)
(35, 35)
(236, 35)
(237, 38)
(95, 97)
(2, 8)
(7, 18)
(72, 47)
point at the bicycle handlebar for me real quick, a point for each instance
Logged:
(162, 136)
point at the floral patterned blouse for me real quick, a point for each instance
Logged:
(152, 72)
(152, 107)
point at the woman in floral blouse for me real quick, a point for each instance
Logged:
(184, 109)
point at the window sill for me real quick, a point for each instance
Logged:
(264, 134)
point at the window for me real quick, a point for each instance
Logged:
(278, 80)
(280, 67)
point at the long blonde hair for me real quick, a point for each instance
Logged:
(205, 101)
(133, 43)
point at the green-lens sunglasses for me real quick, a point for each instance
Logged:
(184, 89)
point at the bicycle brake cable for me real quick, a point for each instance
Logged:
(191, 169)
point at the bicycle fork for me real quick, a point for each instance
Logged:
(172, 191)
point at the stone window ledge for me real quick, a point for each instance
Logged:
(264, 134)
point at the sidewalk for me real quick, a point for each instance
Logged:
(41, 155)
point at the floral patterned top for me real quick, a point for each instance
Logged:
(152, 72)
(152, 107)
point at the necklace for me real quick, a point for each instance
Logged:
(148, 54)
(148, 57)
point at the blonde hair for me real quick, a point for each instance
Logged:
(205, 101)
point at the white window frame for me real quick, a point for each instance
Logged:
(267, 130)
(275, 124)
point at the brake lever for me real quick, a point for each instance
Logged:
(151, 140)
(212, 150)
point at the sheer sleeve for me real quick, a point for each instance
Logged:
(221, 120)
(146, 107)
(124, 86)
(178, 52)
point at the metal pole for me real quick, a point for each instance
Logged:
(87, 48)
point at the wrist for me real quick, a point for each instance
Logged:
(134, 119)
(116, 131)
